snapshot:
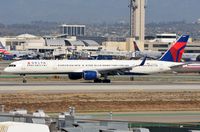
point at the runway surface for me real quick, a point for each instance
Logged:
(6, 87)
(156, 117)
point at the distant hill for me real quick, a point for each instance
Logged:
(114, 30)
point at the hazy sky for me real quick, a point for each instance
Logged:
(92, 11)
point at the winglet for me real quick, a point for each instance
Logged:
(143, 61)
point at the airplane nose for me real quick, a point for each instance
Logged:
(6, 69)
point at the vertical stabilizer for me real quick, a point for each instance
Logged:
(174, 54)
(135, 46)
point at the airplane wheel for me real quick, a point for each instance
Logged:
(24, 81)
(106, 81)
(97, 81)
(24, 78)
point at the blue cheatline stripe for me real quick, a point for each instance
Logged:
(178, 52)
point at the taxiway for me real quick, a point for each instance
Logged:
(50, 87)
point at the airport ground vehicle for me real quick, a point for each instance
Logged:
(22, 127)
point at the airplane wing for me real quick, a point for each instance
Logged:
(121, 70)
(113, 71)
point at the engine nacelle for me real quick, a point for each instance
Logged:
(91, 75)
(75, 76)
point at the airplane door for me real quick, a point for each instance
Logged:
(23, 66)
(55, 67)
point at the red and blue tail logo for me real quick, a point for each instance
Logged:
(135, 46)
(174, 54)
(3, 50)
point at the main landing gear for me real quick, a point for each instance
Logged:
(105, 80)
(24, 78)
(102, 81)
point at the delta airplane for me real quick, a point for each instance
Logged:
(16, 55)
(149, 54)
(3, 50)
(97, 69)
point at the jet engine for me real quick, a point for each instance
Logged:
(87, 75)
(75, 76)
(91, 75)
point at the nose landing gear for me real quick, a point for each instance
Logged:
(24, 78)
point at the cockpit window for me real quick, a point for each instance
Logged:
(12, 65)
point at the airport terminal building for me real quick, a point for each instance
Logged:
(68, 45)
(73, 30)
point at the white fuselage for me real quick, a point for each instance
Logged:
(77, 66)
(64, 66)
(153, 66)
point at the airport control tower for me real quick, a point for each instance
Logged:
(137, 21)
